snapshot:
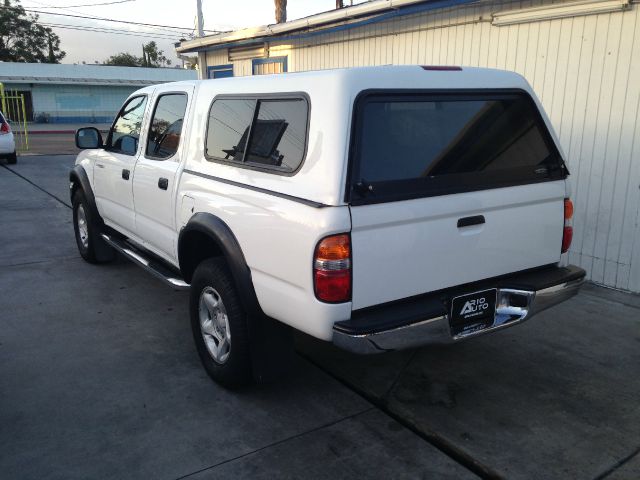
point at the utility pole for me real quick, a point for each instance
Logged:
(200, 18)
(281, 11)
(52, 57)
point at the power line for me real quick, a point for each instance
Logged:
(111, 31)
(47, 6)
(104, 19)
(92, 4)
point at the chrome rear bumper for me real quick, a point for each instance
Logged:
(513, 307)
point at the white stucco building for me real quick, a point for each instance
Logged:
(59, 93)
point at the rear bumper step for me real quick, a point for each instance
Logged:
(424, 320)
(146, 261)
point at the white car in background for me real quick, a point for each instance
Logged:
(7, 142)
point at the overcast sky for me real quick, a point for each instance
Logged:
(218, 15)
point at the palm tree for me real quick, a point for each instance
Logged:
(281, 11)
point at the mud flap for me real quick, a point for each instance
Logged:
(272, 352)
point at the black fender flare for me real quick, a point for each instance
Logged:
(220, 233)
(79, 180)
(78, 176)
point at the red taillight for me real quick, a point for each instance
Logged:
(5, 128)
(332, 269)
(567, 233)
(567, 236)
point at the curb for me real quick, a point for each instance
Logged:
(55, 132)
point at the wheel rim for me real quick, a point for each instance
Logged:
(83, 229)
(214, 325)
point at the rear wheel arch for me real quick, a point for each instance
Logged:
(206, 236)
(271, 342)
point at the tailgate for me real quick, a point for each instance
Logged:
(407, 248)
(450, 189)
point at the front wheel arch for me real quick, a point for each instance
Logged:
(79, 180)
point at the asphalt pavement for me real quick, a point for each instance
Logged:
(99, 378)
(48, 138)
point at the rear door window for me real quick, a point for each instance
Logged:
(421, 144)
(260, 133)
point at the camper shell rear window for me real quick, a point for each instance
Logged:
(412, 144)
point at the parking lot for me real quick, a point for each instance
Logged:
(99, 378)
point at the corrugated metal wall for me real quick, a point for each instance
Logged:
(586, 71)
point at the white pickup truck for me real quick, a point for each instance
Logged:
(376, 208)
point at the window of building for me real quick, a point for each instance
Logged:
(275, 131)
(266, 66)
(220, 71)
(125, 132)
(166, 126)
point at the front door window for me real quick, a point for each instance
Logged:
(125, 133)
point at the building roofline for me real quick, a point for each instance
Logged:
(321, 23)
(74, 81)
(50, 73)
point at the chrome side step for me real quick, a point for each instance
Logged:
(154, 267)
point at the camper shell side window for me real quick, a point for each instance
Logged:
(260, 132)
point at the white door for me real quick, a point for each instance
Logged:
(154, 179)
(450, 189)
(114, 165)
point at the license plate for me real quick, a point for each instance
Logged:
(472, 312)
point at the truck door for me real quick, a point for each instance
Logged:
(114, 166)
(154, 179)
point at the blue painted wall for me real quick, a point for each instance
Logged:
(75, 103)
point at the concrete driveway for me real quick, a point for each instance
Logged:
(99, 379)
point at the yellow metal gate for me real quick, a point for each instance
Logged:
(13, 108)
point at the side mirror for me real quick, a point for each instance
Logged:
(88, 137)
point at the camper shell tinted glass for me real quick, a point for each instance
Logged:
(260, 132)
(424, 143)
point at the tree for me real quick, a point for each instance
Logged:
(23, 39)
(123, 60)
(151, 57)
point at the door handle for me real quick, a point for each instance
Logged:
(125, 174)
(469, 221)
(99, 165)
(163, 183)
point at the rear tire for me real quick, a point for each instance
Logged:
(12, 159)
(87, 232)
(220, 325)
